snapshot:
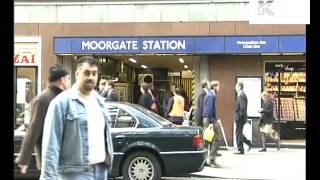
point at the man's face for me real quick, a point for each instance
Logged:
(217, 88)
(108, 86)
(173, 87)
(101, 86)
(87, 76)
(237, 88)
(65, 82)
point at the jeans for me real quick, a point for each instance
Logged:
(96, 172)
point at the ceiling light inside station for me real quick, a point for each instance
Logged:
(181, 60)
(185, 66)
(144, 66)
(132, 60)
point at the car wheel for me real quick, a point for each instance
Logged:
(141, 165)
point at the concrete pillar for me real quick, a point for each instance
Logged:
(201, 71)
(70, 64)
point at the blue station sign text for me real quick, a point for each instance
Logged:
(179, 45)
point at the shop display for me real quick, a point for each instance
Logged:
(300, 109)
(292, 91)
(287, 109)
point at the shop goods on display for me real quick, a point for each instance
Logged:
(300, 109)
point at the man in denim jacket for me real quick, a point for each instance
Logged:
(77, 141)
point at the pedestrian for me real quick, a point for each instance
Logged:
(145, 97)
(166, 99)
(241, 118)
(175, 107)
(77, 142)
(186, 99)
(200, 99)
(109, 92)
(266, 120)
(59, 80)
(210, 119)
(102, 85)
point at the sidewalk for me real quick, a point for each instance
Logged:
(287, 163)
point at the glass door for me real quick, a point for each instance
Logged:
(26, 89)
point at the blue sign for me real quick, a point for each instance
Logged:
(251, 44)
(166, 45)
(180, 45)
(62, 46)
(292, 44)
(105, 45)
(209, 45)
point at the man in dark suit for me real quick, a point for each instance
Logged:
(199, 110)
(110, 93)
(241, 118)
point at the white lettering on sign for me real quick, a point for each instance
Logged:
(164, 45)
(24, 59)
(109, 45)
(251, 44)
(133, 45)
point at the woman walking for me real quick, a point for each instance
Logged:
(265, 125)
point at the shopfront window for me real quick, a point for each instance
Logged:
(292, 90)
(26, 90)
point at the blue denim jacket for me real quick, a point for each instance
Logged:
(65, 137)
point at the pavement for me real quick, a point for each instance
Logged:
(287, 163)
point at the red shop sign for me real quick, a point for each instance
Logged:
(24, 59)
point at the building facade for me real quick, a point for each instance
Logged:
(225, 47)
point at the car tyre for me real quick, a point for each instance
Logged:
(141, 165)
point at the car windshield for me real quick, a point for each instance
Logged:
(153, 115)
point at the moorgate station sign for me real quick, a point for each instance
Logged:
(179, 45)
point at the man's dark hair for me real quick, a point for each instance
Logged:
(240, 84)
(214, 84)
(87, 59)
(204, 83)
(56, 72)
(178, 91)
(111, 83)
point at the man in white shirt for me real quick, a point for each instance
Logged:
(77, 143)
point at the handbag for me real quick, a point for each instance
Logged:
(208, 133)
(154, 104)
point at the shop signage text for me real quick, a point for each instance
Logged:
(176, 45)
(24, 59)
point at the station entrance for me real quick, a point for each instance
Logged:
(159, 71)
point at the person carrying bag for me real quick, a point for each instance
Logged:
(208, 134)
